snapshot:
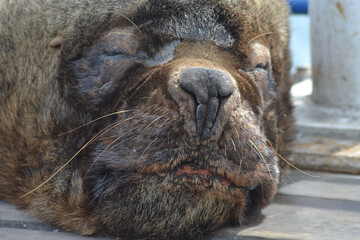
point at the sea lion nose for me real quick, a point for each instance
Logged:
(208, 86)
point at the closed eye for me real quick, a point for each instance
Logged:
(120, 42)
(262, 66)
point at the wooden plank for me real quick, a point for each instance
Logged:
(17, 225)
(322, 185)
(9, 212)
(326, 154)
(10, 217)
(291, 217)
(20, 234)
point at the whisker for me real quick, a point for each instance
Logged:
(233, 143)
(163, 141)
(122, 141)
(186, 143)
(96, 160)
(168, 137)
(61, 168)
(149, 107)
(92, 121)
(150, 124)
(107, 147)
(137, 121)
(77, 153)
(157, 134)
(119, 137)
(157, 109)
(241, 156)
(131, 22)
(287, 175)
(288, 162)
(267, 33)
(147, 148)
(262, 157)
(162, 125)
(282, 170)
(118, 143)
(282, 158)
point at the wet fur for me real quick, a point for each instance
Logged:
(116, 185)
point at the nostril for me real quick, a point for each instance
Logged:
(225, 87)
(205, 83)
(207, 86)
(196, 82)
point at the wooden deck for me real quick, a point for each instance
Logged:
(322, 207)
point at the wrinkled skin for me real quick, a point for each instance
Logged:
(191, 107)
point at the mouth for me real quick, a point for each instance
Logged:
(192, 176)
(200, 175)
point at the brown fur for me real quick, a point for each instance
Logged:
(145, 174)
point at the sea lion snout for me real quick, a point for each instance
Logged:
(205, 94)
(209, 87)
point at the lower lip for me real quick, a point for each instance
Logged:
(191, 171)
(204, 173)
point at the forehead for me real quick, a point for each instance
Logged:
(187, 20)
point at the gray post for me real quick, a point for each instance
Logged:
(328, 121)
(335, 40)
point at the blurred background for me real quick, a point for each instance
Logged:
(300, 38)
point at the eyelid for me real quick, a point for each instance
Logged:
(264, 66)
(120, 42)
(259, 66)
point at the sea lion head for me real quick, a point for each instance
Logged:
(191, 101)
(201, 86)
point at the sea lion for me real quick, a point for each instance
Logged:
(142, 118)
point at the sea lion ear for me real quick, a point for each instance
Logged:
(56, 42)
